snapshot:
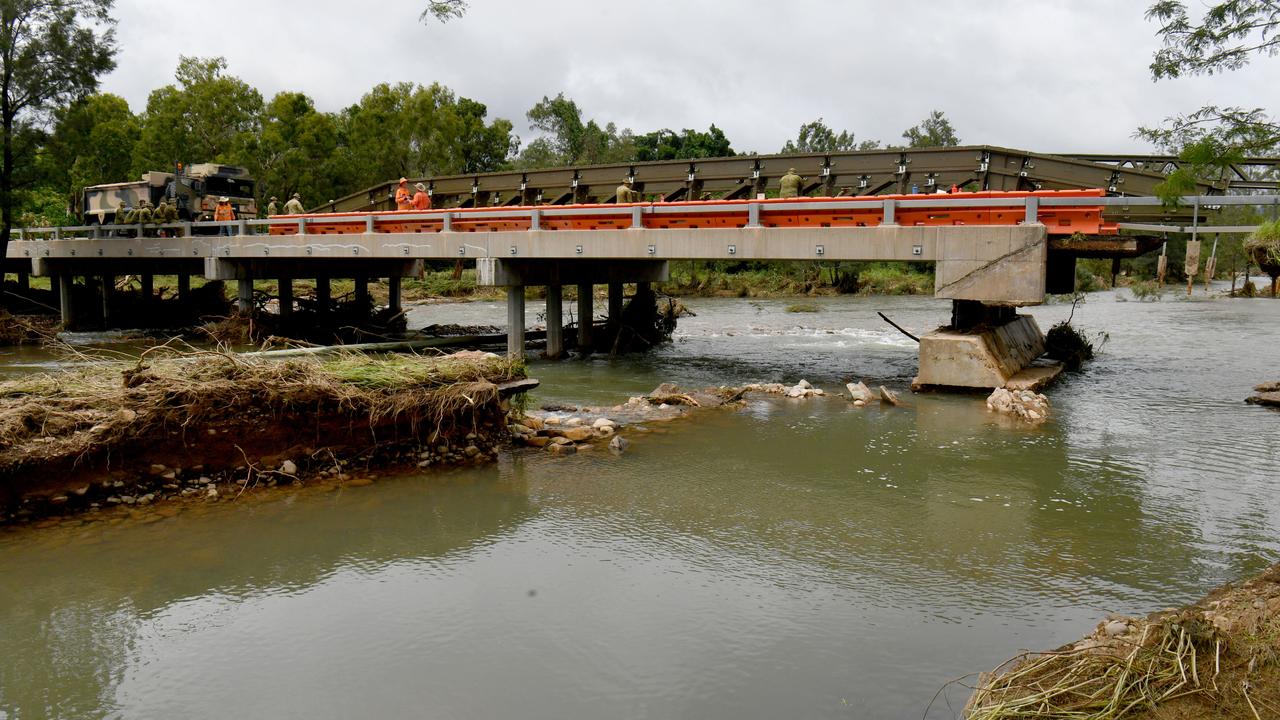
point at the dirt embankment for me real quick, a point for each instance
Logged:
(206, 425)
(1217, 658)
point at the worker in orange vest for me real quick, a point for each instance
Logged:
(421, 200)
(224, 212)
(404, 198)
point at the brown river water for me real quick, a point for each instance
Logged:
(791, 559)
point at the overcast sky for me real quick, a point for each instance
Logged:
(1039, 75)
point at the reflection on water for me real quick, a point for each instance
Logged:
(790, 559)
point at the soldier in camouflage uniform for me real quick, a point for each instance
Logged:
(790, 184)
(625, 194)
(273, 209)
(294, 206)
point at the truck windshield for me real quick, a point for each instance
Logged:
(229, 186)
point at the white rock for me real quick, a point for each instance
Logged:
(603, 422)
(804, 384)
(860, 391)
(573, 422)
(619, 444)
(289, 467)
(1116, 627)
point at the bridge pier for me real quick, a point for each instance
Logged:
(184, 287)
(555, 322)
(108, 286)
(586, 316)
(286, 297)
(362, 291)
(324, 295)
(515, 320)
(395, 294)
(615, 303)
(148, 282)
(65, 283)
(244, 295)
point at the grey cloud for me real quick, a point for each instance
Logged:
(1047, 75)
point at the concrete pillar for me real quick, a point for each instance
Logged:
(555, 323)
(24, 280)
(286, 297)
(244, 295)
(64, 299)
(615, 302)
(515, 320)
(108, 286)
(148, 288)
(586, 314)
(324, 295)
(643, 287)
(362, 291)
(184, 287)
(396, 300)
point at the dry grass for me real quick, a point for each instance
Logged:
(104, 402)
(1217, 658)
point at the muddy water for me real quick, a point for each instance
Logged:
(793, 559)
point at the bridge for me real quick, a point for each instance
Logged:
(994, 251)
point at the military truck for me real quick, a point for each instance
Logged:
(195, 188)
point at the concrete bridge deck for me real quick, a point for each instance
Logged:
(990, 249)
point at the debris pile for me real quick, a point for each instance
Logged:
(1030, 407)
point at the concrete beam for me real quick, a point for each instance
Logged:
(995, 265)
(234, 269)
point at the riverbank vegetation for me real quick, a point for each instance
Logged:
(785, 279)
(1217, 658)
(178, 422)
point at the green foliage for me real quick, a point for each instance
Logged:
(933, 131)
(207, 117)
(571, 141)
(817, 137)
(92, 143)
(893, 279)
(804, 308)
(295, 150)
(688, 144)
(1147, 291)
(1225, 37)
(43, 207)
(444, 10)
(51, 52)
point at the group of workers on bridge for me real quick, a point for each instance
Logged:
(293, 207)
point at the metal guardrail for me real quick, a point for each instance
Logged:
(888, 206)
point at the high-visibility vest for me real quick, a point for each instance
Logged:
(224, 212)
(403, 201)
(421, 201)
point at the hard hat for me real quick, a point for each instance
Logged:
(224, 198)
(421, 187)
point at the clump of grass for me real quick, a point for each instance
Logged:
(1068, 345)
(804, 308)
(1147, 291)
(1264, 246)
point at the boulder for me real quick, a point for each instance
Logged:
(603, 422)
(533, 423)
(888, 397)
(578, 433)
(619, 444)
(1270, 399)
(860, 391)
(289, 467)
(566, 449)
(1268, 387)
(1025, 405)
(537, 441)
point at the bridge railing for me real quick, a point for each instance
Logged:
(865, 210)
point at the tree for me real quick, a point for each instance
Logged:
(933, 131)
(51, 52)
(569, 140)
(686, 145)
(444, 10)
(1227, 36)
(92, 143)
(207, 117)
(815, 137)
(410, 130)
(294, 151)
